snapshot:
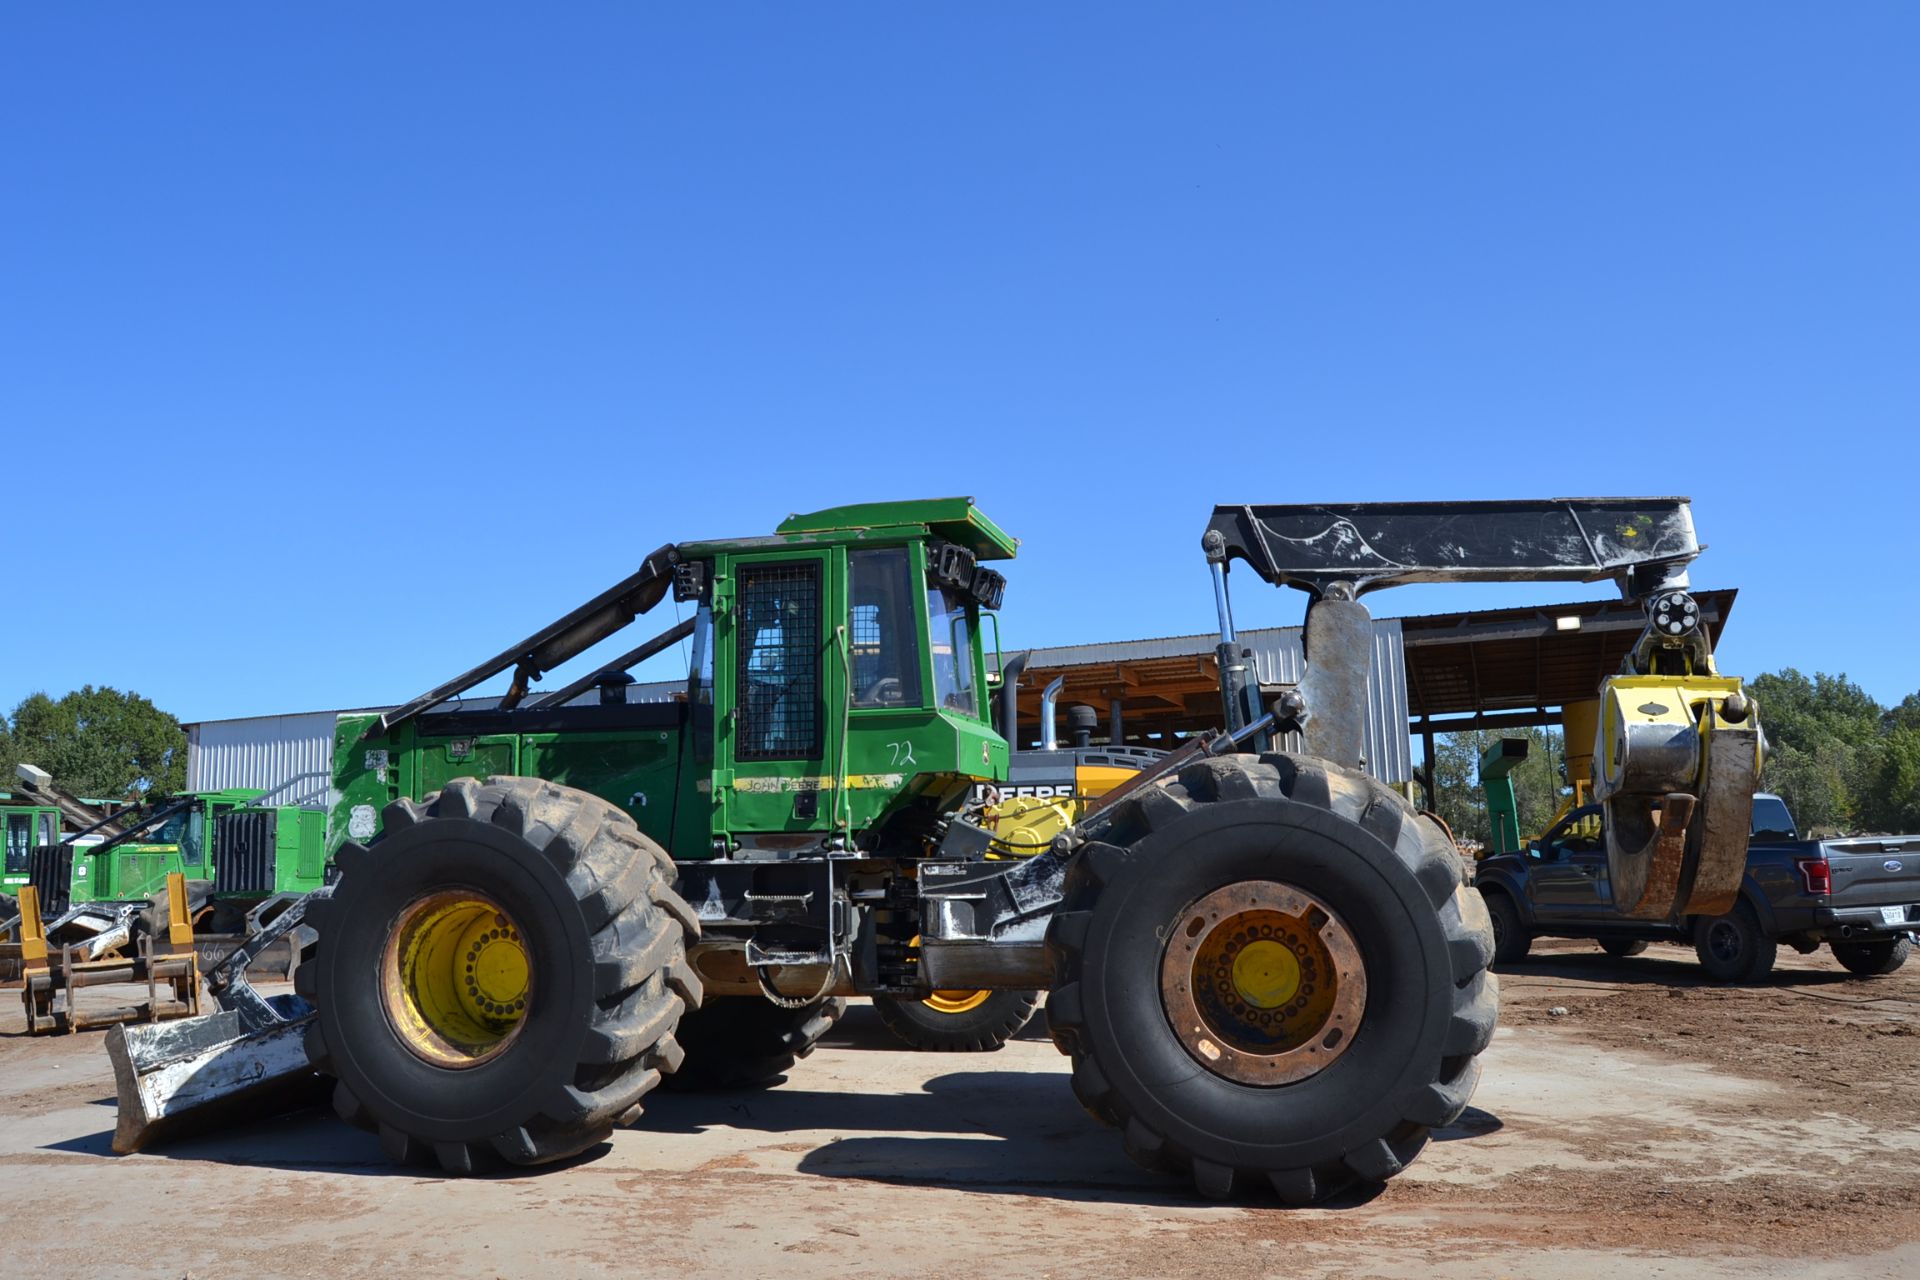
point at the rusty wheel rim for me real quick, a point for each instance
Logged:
(1263, 983)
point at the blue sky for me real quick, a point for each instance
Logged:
(344, 345)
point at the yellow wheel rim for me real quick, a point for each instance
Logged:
(952, 1001)
(1263, 983)
(956, 1001)
(455, 978)
(1265, 974)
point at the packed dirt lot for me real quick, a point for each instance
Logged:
(1632, 1121)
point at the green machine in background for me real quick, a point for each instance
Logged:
(24, 827)
(233, 853)
(1497, 764)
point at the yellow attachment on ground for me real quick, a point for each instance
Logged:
(456, 978)
(179, 923)
(33, 930)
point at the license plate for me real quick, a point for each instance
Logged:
(1893, 915)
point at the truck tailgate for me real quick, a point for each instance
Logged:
(1875, 871)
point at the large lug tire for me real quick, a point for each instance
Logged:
(1511, 940)
(980, 1023)
(748, 1042)
(153, 919)
(587, 900)
(1621, 948)
(1872, 959)
(1733, 947)
(1389, 879)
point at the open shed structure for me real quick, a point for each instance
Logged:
(1431, 674)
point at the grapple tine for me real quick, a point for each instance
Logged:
(1717, 845)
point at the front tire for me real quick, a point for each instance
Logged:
(1511, 940)
(958, 1021)
(1872, 959)
(1733, 947)
(1324, 1070)
(501, 977)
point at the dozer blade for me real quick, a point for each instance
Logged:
(193, 1074)
(247, 1061)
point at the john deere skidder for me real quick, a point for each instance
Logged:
(1260, 960)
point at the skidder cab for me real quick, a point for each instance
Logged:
(1261, 960)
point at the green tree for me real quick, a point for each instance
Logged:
(1894, 802)
(99, 742)
(1828, 742)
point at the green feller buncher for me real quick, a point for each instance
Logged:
(1260, 960)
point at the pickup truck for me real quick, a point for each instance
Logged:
(1859, 896)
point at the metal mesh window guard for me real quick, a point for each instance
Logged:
(779, 662)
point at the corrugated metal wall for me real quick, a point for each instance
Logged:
(289, 756)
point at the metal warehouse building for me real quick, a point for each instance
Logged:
(1498, 668)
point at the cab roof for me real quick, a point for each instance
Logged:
(955, 519)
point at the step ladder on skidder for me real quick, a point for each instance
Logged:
(53, 976)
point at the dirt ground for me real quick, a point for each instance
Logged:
(1632, 1122)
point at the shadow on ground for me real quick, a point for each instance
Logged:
(1673, 969)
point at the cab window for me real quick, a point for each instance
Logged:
(886, 661)
(193, 840)
(778, 662)
(19, 841)
(951, 636)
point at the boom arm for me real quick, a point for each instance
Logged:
(1679, 746)
(555, 643)
(1643, 543)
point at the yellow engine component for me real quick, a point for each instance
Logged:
(1027, 824)
(1677, 758)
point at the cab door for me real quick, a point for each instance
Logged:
(780, 694)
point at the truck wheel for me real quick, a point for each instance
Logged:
(1511, 941)
(1733, 947)
(958, 1021)
(1271, 974)
(1872, 959)
(745, 1042)
(1621, 948)
(500, 977)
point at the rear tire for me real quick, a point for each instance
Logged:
(154, 917)
(1621, 948)
(987, 1026)
(1391, 883)
(589, 903)
(1511, 941)
(1733, 947)
(749, 1042)
(1872, 959)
